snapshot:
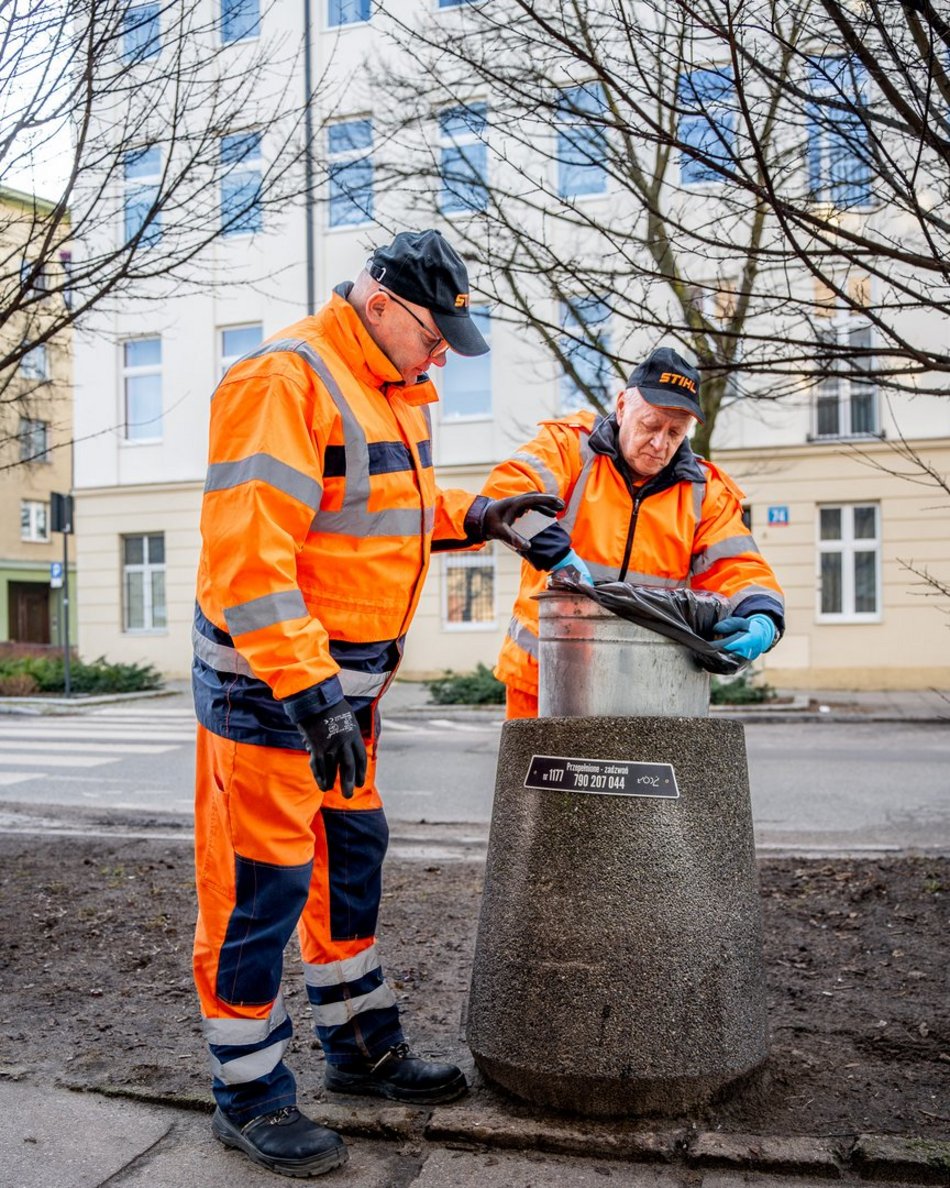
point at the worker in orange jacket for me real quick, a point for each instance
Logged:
(319, 515)
(641, 507)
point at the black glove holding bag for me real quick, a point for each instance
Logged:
(501, 514)
(335, 744)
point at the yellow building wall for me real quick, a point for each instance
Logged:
(909, 647)
(103, 517)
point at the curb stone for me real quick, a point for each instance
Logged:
(922, 1161)
(868, 1157)
(767, 1153)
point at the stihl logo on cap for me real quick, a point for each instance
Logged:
(673, 377)
(462, 301)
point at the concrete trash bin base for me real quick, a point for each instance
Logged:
(618, 966)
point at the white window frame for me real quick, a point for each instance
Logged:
(460, 142)
(132, 372)
(328, 24)
(147, 569)
(847, 546)
(34, 524)
(225, 361)
(142, 188)
(483, 559)
(446, 417)
(34, 364)
(29, 429)
(841, 325)
(343, 158)
(254, 35)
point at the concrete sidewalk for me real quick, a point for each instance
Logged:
(917, 705)
(412, 699)
(85, 1140)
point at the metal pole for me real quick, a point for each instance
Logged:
(308, 158)
(66, 672)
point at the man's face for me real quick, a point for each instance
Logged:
(648, 436)
(407, 335)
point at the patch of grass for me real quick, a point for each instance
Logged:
(739, 690)
(473, 688)
(22, 675)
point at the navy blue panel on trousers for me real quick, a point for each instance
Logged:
(243, 708)
(268, 903)
(356, 847)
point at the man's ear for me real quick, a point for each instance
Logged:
(375, 306)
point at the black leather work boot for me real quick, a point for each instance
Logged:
(285, 1141)
(400, 1076)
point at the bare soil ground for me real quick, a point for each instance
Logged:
(95, 938)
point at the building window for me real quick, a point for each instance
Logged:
(347, 12)
(349, 148)
(849, 554)
(240, 20)
(846, 403)
(142, 388)
(466, 380)
(464, 165)
(581, 141)
(707, 125)
(241, 212)
(141, 35)
(35, 363)
(34, 275)
(34, 521)
(469, 589)
(838, 166)
(143, 582)
(586, 344)
(142, 169)
(34, 440)
(237, 341)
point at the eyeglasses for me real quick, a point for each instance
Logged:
(435, 346)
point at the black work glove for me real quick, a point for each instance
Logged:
(334, 741)
(502, 513)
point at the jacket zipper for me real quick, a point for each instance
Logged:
(631, 529)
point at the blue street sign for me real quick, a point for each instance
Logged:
(778, 515)
(55, 575)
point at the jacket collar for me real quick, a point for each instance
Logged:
(339, 322)
(683, 467)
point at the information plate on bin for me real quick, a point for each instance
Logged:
(602, 777)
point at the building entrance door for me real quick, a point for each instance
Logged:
(29, 612)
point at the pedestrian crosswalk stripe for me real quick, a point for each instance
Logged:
(17, 777)
(68, 746)
(98, 730)
(45, 759)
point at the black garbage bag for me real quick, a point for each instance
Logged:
(684, 616)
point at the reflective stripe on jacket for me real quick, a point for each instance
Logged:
(683, 527)
(319, 514)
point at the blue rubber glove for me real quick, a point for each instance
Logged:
(749, 637)
(572, 561)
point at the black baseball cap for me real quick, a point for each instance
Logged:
(666, 380)
(421, 267)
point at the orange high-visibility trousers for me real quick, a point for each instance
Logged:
(274, 853)
(519, 704)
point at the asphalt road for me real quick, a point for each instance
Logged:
(831, 784)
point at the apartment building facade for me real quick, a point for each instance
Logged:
(35, 450)
(826, 500)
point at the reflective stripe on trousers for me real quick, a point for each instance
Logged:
(295, 858)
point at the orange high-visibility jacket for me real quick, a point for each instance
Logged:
(319, 515)
(681, 528)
